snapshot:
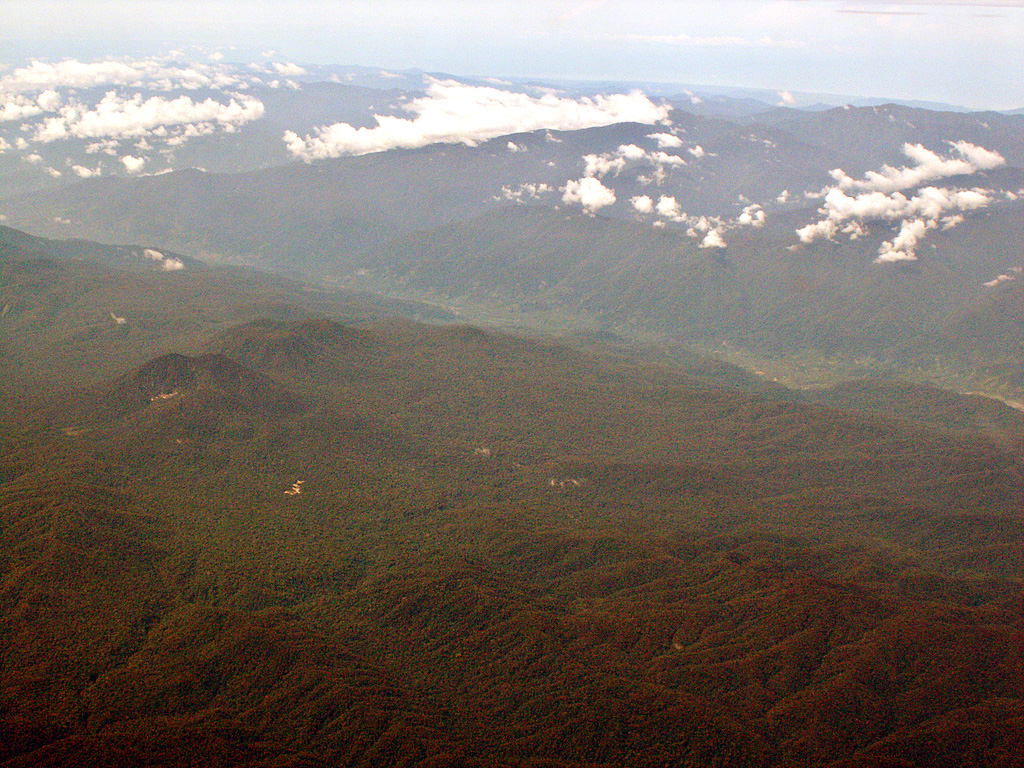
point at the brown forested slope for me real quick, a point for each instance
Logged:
(501, 552)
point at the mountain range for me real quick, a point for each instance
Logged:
(694, 441)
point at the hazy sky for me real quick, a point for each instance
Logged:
(956, 52)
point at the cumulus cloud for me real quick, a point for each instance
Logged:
(752, 216)
(666, 158)
(588, 192)
(666, 140)
(713, 239)
(601, 165)
(878, 196)
(48, 100)
(118, 117)
(167, 263)
(525, 192)
(903, 245)
(133, 164)
(72, 74)
(697, 151)
(670, 209)
(159, 74)
(84, 172)
(19, 108)
(930, 166)
(455, 113)
(289, 70)
(642, 203)
(631, 152)
(614, 162)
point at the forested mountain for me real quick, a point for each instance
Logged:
(260, 524)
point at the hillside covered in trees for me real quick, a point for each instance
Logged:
(255, 524)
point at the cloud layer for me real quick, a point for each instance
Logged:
(118, 117)
(454, 113)
(151, 103)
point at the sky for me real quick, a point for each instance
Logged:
(964, 53)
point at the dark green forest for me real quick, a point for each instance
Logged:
(257, 524)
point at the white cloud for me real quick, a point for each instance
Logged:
(107, 146)
(289, 70)
(133, 164)
(588, 192)
(454, 113)
(167, 263)
(713, 239)
(904, 244)
(666, 140)
(631, 152)
(48, 100)
(18, 108)
(929, 167)
(74, 74)
(666, 158)
(119, 117)
(85, 173)
(879, 197)
(752, 216)
(160, 74)
(642, 203)
(697, 151)
(601, 165)
(1000, 279)
(670, 209)
(513, 147)
(525, 191)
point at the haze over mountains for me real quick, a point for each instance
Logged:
(725, 478)
(852, 229)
